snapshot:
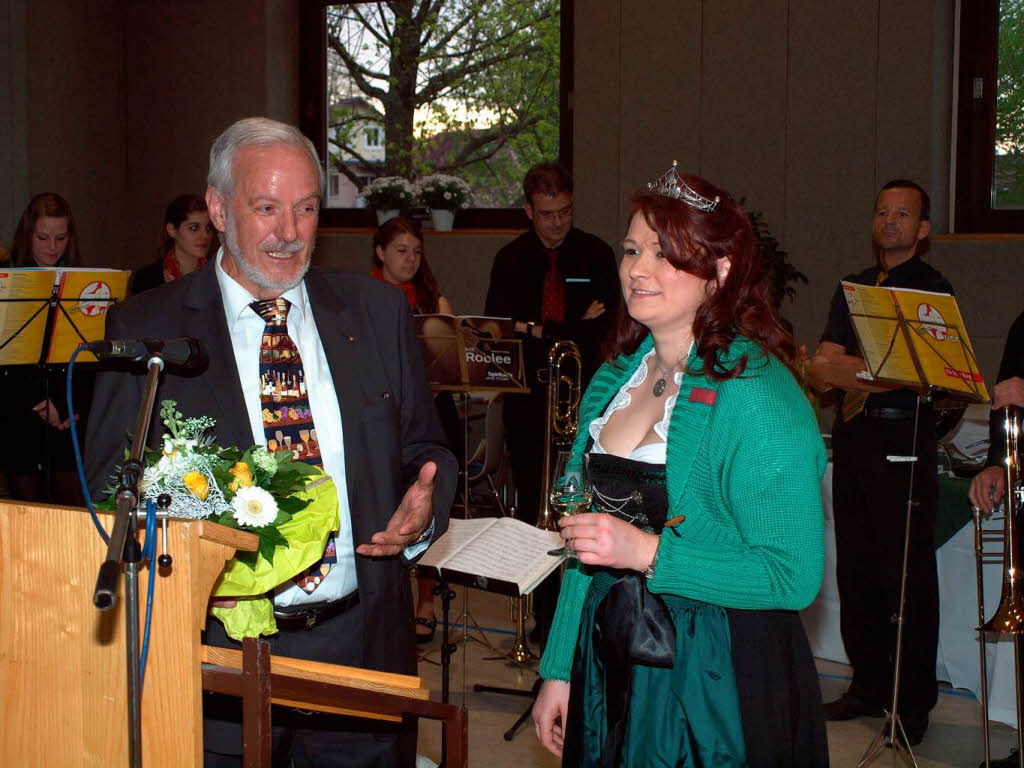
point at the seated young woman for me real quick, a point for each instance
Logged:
(185, 239)
(677, 640)
(398, 260)
(39, 456)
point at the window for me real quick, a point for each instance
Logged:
(484, 96)
(990, 119)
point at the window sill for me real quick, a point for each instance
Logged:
(427, 233)
(962, 237)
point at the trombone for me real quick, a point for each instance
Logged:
(564, 379)
(1008, 618)
(565, 375)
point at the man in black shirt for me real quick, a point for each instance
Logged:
(870, 493)
(989, 485)
(556, 282)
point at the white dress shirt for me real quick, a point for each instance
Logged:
(246, 330)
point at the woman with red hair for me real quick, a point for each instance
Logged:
(677, 639)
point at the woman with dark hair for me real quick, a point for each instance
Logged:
(46, 235)
(677, 639)
(398, 260)
(38, 455)
(184, 244)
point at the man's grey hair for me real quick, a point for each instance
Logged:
(248, 132)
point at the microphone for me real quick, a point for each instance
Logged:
(186, 352)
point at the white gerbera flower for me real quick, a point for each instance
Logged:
(254, 506)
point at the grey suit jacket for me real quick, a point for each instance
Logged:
(390, 423)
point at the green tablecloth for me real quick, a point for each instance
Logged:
(954, 507)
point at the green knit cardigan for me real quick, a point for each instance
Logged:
(744, 462)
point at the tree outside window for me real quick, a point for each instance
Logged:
(989, 178)
(1008, 171)
(467, 88)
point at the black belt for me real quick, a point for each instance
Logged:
(308, 616)
(889, 414)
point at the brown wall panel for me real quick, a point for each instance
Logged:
(830, 161)
(179, 102)
(743, 103)
(75, 117)
(904, 91)
(597, 118)
(661, 71)
(985, 274)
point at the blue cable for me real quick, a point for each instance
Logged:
(149, 549)
(149, 553)
(78, 450)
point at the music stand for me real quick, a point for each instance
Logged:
(467, 355)
(37, 328)
(914, 339)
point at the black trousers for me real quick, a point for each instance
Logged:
(870, 501)
(314, 739)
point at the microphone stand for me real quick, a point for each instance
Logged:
(124, 547)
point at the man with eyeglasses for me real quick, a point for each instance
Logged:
(556, 282)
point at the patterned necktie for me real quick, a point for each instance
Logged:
(854, 400)
(553, 301)
(287, 418)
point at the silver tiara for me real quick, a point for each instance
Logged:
(671, 184)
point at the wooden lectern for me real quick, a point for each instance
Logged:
(62, 662)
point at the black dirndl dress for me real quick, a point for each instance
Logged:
(663, 680)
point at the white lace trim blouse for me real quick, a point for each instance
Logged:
(651, 453)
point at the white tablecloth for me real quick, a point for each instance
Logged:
(958, 658)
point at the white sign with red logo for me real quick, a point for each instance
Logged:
(94, 298)
(936, 327)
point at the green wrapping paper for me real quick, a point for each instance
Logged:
(307, 533)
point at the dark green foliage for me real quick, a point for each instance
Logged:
(782, 274)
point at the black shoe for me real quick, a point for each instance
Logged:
(914, 726)
(1012, 760)
(422, 638)
(848, 706)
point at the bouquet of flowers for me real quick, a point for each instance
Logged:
(289, 505)
(389, 193)
(443, 192)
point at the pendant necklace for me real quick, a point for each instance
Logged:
(660, 383)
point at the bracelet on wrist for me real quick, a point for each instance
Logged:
(649, 571)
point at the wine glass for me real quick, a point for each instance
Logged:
(570, 495)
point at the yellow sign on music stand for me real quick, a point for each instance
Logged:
(46, 313)
(915, 338)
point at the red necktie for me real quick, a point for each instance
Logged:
(553, 301)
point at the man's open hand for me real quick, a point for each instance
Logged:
(410, 519)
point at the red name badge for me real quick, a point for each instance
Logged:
(703, 395)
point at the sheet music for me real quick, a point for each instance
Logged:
(503, 548)
(459, 534)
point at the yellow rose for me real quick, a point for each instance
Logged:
(197, 483)
(243, 476)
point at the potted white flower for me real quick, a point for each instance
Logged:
(389, 195)
(443, 195)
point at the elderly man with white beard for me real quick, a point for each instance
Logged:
(378, 437)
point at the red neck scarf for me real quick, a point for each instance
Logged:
(172, 269)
